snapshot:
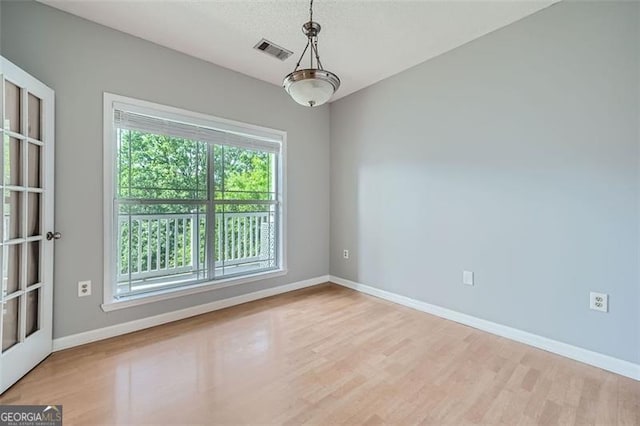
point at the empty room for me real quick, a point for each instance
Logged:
(225, 212)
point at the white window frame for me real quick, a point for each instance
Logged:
(112, 101)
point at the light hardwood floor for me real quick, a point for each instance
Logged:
(324, 355)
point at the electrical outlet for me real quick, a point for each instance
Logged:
(84, 288)
(467, 277)
(345, 254)
(599, 301)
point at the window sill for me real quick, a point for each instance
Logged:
(173, 293)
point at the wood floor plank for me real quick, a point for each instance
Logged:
(322, 356)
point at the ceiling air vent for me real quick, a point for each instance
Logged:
(272, 49)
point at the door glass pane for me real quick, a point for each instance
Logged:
(12, 107)
(12, 161)
(11, 264)
(34, 117)
(12, 215)
(33, 304)
(33, 262)
(34, 165)
(33, 214)
(9, 323)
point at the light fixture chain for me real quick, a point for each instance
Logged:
(310, 36)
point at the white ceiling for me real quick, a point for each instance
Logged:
(361, 41)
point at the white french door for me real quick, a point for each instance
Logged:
(26, 251)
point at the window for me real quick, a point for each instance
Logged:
(192, 200)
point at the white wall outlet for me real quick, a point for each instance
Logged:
(84, 288)
(599, 301)
(467, 277)
(345, 254)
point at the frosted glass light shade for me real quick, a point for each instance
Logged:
(311, 92)
(311, 87)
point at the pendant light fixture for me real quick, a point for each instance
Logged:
(311, 86)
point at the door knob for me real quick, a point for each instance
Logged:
(53, 235)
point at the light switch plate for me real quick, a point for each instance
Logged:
(467, 277)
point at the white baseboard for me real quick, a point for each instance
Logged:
(606, 362)
(140, 324)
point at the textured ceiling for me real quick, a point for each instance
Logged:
(361, 41)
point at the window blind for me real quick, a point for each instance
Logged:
(161, 126)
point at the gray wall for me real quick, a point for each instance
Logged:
(514, 156)
(80, 60)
